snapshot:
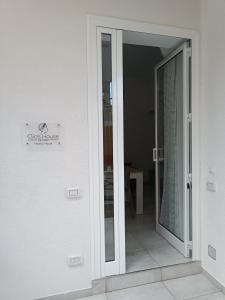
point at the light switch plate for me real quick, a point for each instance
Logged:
(74, 261)
(73, 193)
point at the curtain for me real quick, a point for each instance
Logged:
(172, 203)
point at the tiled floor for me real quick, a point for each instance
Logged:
(145, 248)
(196, 287)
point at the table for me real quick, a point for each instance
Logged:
(138, 176)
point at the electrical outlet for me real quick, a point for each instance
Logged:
(212, 252)
(211, 183)
(74, 261)
(211, 186)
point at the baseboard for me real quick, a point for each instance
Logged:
(214, 281)
(127, 280)
(69, 295)
(154, 275)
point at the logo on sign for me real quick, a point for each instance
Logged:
(43, 128)
(42, 134)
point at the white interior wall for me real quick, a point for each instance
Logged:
(213, 128)
(43, 77)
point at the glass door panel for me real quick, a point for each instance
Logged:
(170, 139)
(172, 150)
(160, 135)
(111, 164)
(107, 112)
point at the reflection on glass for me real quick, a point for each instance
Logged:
(170, 139)
(107, 105)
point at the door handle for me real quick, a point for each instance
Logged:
(158, 154)
(154, 152)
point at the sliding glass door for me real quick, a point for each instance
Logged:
(172, 152)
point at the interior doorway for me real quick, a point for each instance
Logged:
(156, 89)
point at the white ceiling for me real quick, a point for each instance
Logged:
(165, 43)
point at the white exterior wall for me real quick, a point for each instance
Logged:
(213, 132)
(43, 77)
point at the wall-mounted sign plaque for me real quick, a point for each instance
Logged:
(42, 134)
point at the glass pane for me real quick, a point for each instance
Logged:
(107, 103)
(160, 133)
(170, 144)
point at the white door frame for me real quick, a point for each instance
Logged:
(95, 186)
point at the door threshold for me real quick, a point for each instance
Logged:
(118, 282)
(128, 280)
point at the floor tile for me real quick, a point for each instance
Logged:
(217, 296)
(155, 291)
(141, 235)
(99, 286)
(129, 280)
(132, 244)
(139, 260)
(139, 224)
(159, 249)
(190, 287)
(181, 270)
(95, 297)
(148, 238)
(165, 254)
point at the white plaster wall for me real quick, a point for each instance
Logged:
(213, 132)
(43, 76)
